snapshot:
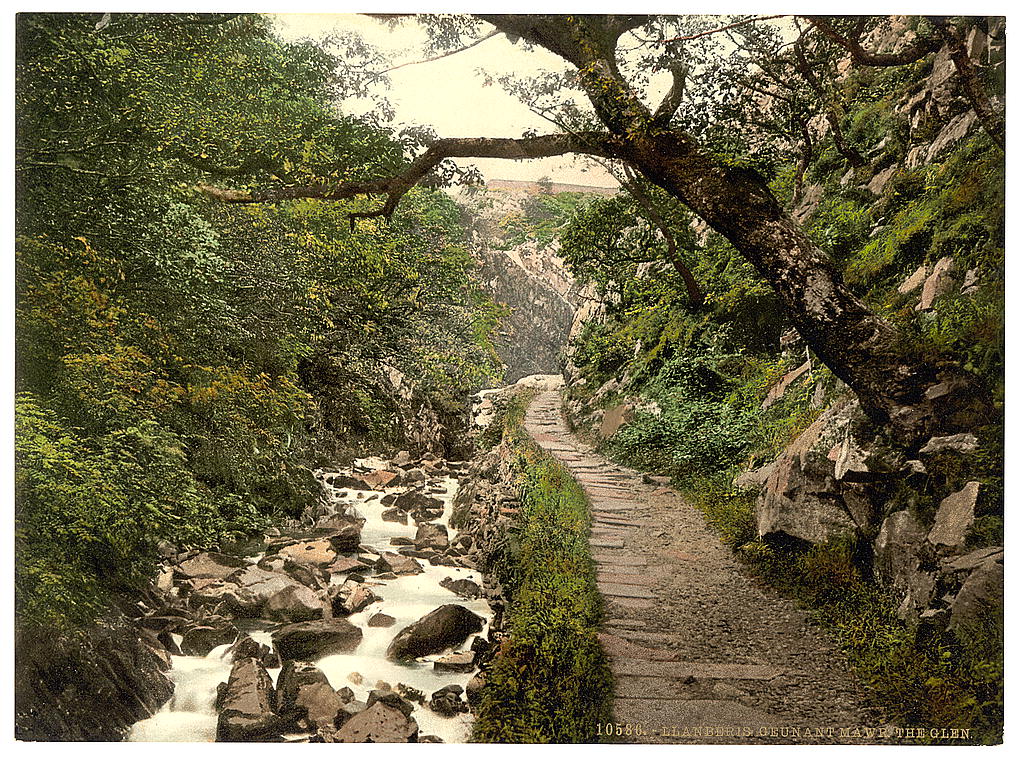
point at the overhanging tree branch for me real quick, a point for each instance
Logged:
(396, 186)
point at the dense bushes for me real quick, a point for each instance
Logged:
(162, 338)
(549, 682)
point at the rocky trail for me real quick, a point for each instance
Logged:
(700, 652)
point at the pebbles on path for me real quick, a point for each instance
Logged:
(694, 644)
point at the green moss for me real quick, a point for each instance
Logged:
(549, 682)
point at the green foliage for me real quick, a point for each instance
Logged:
(541, 218)
(549, 682)
(182, 364)
(693, 430)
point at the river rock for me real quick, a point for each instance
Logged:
(459, 663)
(398, 564)
(395, 515)
(381, 620)
(319, 552)
(246, 647)
(370, 463)
(345, 538)
(294, 603)
(200, 640)
(462, 587)
(378, 480)
(415, 500)
(311, 640)
(445, 627)
(412, 476)
(348, 565)
(303, 692)
(391, 698)
(210, 565)
(431, 535)
(350, 597)
(475, 689)
(379, 723)
(246, 705)
(448, 701)
(410, 693)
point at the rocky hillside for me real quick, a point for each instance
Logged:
(512, 227)
(774, 448)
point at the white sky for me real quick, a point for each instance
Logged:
(450, 96)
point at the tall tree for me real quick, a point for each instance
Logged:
(863, 349)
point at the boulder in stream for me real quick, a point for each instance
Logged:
(379, 723)
(448, 701)
(382, 620)
(416, 500)
(442, 628)
(398, 564)
(200, 640)
(431, 535)
(462, 587)
(294, 603)
(351, 597)
(311, 640)
(246, 705)
(305, 694)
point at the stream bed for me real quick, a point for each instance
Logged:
(191, 716)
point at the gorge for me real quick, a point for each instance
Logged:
(322, 438)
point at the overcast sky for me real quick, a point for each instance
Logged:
(450, 95)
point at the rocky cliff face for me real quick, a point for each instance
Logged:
(524, 273)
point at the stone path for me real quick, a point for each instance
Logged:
(699, 651)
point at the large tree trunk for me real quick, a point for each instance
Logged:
(896, 386)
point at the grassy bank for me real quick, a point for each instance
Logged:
(549, 682)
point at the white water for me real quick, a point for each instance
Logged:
(190, 717)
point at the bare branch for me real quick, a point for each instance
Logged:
(674, 97)
(832, 115)
(438, 57)
(723, 28)
(632, 183)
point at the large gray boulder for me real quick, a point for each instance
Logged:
(416, 500)
(351, 597)
(443, 628)
(246, 705)
(898, 563)
(294, 603)
(801, 497)
(209, 565)
(955, 517)
(379, 723)
(431, 535)
(200, 640)
(311, 640)
(976, 614)
(305, 694)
